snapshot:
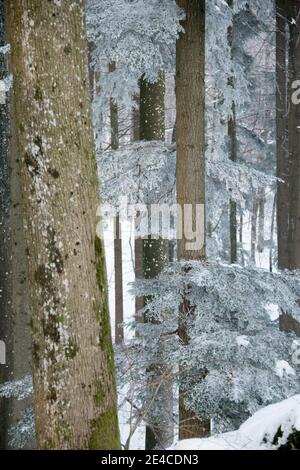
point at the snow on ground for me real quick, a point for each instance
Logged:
(257, 433)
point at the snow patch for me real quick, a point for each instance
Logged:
(242, 340)
(257, 433)
(282, 367)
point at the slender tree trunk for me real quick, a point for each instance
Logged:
(190, 172)
(233, 206)
(288, 143)
(272, 233)
(159, 432)
(138, 242)
(73, 365)
(232, 153)
(254, 229)
(14, 318)
(261, 221)
(119, 313)
(241, 237)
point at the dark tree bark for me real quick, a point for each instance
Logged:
(119, 312)
(232, 140)
(190, 172)
(288, 134)
(288, 141)
(155, 255)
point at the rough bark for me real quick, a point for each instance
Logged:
(155, 255)
(14, 315)
(190, 143)
(119, 313)
(232, 140)
(283, 162)
(73, 364)
(288, 142)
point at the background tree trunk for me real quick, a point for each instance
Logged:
(138, 242)
(261, 221)
(232, 140)
(190, 172)
(155, 255)
(73, 365)
(119, 312)
(254, 229)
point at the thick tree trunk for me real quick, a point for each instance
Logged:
(14, 314)
(190, 172)
(119, 312)
(73, 365)
(155, 255)
(288, 142)
(282, 106)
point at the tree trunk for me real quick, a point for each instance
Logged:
(155, 255)
(288, 143)
(232, 154)
(272, 233)
(14, 319)
(261, 221)
(73, 365)
(138, 242)
(241, 237)
(190, 172)
(119, 313)
(254, 229)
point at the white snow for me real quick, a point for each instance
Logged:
(273, 311)
(283, 367)
(257, 433)
(242, 340)
(5, 49)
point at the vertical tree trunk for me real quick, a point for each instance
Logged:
(254, 229)
(138, 243)
(14, 318)
(155, 255)
(232, 154)
(261, 221)
(288, 143)
(119, 313)
(190, 172)
(73, 365)
(282, 105)
(241, 237)
(272, 233)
